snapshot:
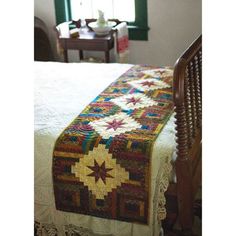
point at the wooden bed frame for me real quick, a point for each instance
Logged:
(187, 95)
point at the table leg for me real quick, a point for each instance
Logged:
(107, 56)
(81, 55)
(65, 55)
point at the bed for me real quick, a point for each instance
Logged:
(62, 90)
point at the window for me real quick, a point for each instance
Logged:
(136, 16)
(81, 9)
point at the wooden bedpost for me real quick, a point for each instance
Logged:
(182, 164)
(187, 100)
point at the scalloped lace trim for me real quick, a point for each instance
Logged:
(164, 183)
(44, 229)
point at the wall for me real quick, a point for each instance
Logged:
(174, 24)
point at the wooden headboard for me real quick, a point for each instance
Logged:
(187, 95)
(42, 47)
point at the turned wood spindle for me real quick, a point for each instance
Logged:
(192, 98)
(188, 108)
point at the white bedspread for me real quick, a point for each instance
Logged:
(61, 92)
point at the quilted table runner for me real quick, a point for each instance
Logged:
(102, 160)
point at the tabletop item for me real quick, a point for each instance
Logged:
(101, 26)
(101, 19)
(74, 33)
(102, 29)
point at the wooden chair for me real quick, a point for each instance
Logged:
(42, 47)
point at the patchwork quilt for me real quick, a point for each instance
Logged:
(101, 161)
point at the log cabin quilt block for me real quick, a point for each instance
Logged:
(101, 161)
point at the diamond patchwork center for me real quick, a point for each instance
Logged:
(99, 172)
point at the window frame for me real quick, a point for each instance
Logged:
(138, 30)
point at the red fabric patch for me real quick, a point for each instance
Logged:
(122, 44)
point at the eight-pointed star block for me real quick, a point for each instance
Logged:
(100, 172)
(133, 101)
(149, 84)
(159, 72)
(114, 125)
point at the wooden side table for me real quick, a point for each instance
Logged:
(86, 41)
